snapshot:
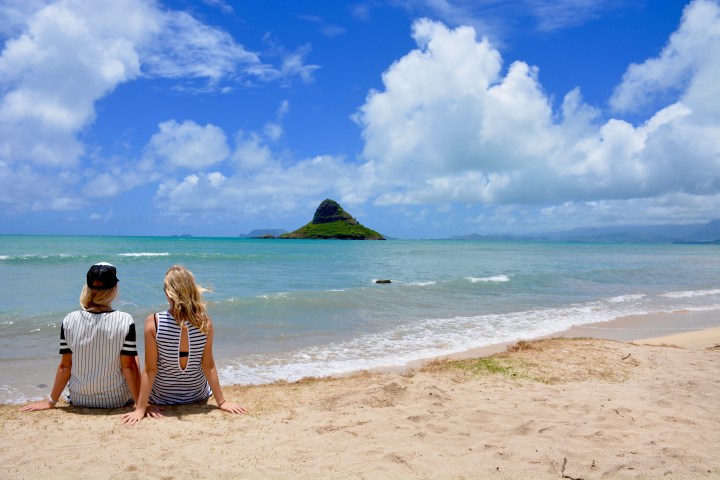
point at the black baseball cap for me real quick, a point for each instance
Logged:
(102, 276)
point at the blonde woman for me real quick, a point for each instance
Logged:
(99, 363)
(179, 364)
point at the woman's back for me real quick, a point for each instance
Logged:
(174, 385)
(96, 341)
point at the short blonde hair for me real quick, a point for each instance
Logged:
(91, 299)
(186, 298)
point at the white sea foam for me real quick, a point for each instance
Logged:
(496, 278)
(424, 339)
(270, 296)
(144, 254)
(626, 298)
(423, 284)
(12, 395)
(691, 293)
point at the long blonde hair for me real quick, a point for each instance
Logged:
(93, 299)
(186, 302)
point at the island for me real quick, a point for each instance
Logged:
(332, 222)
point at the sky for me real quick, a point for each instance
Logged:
(422, 118)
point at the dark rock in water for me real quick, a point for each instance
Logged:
(332, 222)
(330, 211)
(383, 281)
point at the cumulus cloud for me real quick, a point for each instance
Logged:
(13, 15)
(62, 56)
(453, 125)
(275, 188)
(688, 64)
(450, 125)
(54, 72)
(188, 145)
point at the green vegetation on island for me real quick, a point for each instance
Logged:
(332, 222)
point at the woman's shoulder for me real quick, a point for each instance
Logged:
(118, 315)
(72, 316)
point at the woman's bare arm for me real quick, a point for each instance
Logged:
(148, 376)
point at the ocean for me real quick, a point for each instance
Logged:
(286, 309)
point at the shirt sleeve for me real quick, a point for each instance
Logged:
(129, 347)
(63, 343)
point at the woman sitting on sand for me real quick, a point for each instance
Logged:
(99, 361)
(179, 364)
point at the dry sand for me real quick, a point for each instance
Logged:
(552, 408)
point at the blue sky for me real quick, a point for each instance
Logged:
(423, 118)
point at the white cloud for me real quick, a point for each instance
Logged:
(499, 19)
(70, 55)
(188, 145)
(63, 56)
(449, 126)
(274, 189)
(688, 63)
(452, 127)
(13, 15)
(274, 130)
(189, 48)
(224, 7)
(560, 14)
(251, 153)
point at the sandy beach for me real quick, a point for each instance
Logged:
(561, 407)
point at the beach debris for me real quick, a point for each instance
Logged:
(383, 281)
(627, 356)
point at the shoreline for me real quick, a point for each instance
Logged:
(657, 325)
(631, 328)
(559, 407)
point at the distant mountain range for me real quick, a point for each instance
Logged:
(263, 232)
(696, 233)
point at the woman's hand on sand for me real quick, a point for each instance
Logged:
(133, 417)
(44, 405)
(153, 411)
(231, 407)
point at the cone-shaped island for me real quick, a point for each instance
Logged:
(331, 221)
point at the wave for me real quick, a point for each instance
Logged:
(626, 298)
(423, 284)
(419, 340)
(691, 293)
(496, 278)
(53, 258)
(62, 258)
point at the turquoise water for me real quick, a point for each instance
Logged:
(285, 309)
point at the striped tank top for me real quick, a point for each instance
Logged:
(96, 341)
(173, 385)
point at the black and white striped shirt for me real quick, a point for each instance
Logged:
(173, 385)
(96, 341)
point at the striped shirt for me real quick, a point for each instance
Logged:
(173, 385)
(96, 341)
